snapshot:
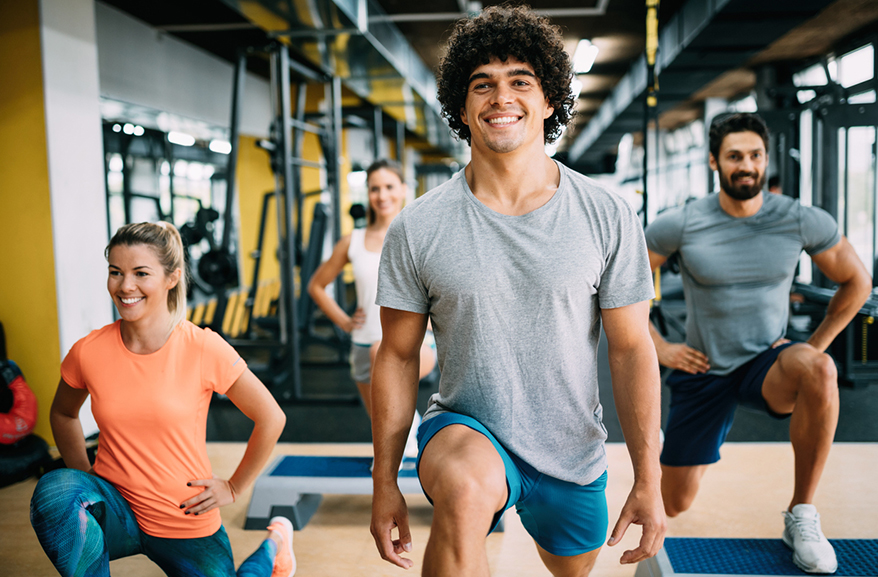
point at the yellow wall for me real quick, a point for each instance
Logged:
(254, 180)
(28, 305)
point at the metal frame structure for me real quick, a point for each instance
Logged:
(286, 147)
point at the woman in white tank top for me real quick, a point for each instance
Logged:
(362, 248)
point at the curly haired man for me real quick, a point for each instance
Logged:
(518, 261)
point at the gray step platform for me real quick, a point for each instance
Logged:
(756, 557)
(293, 486)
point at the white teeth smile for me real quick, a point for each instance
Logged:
(503, 120)
(131, 301)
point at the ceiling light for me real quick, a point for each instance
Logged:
(117, 128)
(575, 87)
(584, 57)
(220, 146)
(116, 163)
(357, 178)
(138, 130)
(128, 128)
(180, 167)
(181, 138)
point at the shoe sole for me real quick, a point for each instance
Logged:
(800, 564)
(289, 542)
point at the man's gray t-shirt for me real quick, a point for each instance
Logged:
(515, 306)
(737, 272)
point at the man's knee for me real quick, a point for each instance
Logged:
(820, 381)
(676, 504)
(458, 488)
(679, 488)
(461, 470)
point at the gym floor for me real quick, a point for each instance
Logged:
(742, 496)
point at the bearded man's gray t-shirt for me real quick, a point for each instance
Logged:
(737, 272)
(515, 306)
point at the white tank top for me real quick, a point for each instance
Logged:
(365, 264)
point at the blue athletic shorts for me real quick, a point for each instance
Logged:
(703, 409)
(564, 518)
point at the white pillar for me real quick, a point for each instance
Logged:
(76, 171)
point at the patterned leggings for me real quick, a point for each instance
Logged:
(83, 523)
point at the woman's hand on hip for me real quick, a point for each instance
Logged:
(357, 320)
(217, 493)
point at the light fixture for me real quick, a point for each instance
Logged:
(220, 146)
(195, 171)
(128, 128)
(584, 57)
(138, 130)
(117, 128)
(181, 138)
(575, 87)
(357, 178)
(116, 163)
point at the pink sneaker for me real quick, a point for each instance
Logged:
(285, 560)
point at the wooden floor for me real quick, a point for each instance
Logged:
(742, 496)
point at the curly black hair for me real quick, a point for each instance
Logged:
(501, 32)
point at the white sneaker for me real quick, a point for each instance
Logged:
(411, 443)
(812, 552)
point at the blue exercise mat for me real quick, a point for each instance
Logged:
(350, 467)
(763, 556)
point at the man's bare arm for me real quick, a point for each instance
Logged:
(675, 355)
(842, 266)
(394, 396)
(637, 393)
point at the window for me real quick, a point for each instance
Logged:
(856, 66)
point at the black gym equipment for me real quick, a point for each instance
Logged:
(24, 459)
(359, 214)
(273, 346)
(855, 349)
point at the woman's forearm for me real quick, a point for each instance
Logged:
(70, 441)
(259, 448)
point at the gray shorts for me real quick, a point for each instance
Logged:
(361, 363)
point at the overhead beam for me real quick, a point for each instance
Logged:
(598, 10)
(694, 36)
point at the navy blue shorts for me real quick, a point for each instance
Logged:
(703, 409)
(564, 518)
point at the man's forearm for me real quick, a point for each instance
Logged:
(637, 395)
(840, 311)
(394, 396)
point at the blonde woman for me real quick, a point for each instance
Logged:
(151, 375)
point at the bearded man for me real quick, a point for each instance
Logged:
(738, 250)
